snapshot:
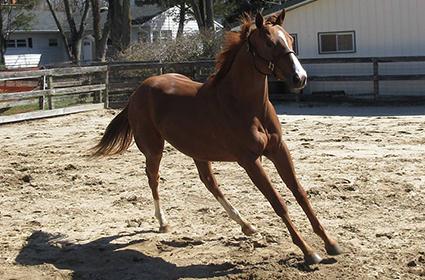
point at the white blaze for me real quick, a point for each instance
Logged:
(297, 65)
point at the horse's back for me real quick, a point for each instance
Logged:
(169, 84)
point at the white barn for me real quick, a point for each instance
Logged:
(359, 28)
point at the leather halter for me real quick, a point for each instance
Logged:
(270, 63)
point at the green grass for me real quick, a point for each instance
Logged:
(59, 102)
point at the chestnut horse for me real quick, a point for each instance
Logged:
(228, 118)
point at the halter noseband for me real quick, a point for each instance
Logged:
(270, 64)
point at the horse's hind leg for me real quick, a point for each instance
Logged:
(151, 144)
(207, 177)
(152, 171)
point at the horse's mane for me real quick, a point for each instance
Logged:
(233, 41)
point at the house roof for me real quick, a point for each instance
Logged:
(43, 20)
(141, 14)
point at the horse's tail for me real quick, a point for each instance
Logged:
(117, 138)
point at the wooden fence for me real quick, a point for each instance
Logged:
(122, 83)
(376, 77)
(111, 84)
(59, 91)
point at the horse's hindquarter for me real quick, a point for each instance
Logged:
(184, 116)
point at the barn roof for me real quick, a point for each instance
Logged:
(288, 5)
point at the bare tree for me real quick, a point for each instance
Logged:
(74, 10)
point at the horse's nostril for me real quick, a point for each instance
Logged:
(304, 81)
(296, 79)
(299, 81)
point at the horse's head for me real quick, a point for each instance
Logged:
(273, 53)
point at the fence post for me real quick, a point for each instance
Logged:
(42, 99)
(97, 95)
(106, 94)
(194, 72)
(375, 79)
(49, 94)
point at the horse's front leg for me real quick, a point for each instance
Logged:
(260, 179)
(282, 160)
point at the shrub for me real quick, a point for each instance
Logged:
(186, 48)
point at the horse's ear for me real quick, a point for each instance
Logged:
(259, 21)
(281, 18)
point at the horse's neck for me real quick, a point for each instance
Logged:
(244, 84)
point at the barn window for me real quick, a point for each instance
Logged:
(53, 42)
(295, 42)
(337, 42)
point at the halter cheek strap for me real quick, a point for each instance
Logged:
(269, 63)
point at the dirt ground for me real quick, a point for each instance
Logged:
(65, 216)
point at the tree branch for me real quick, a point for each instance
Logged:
(83, 18)
(70, 18)
(61, 31)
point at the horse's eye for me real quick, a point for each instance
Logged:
(269, 44)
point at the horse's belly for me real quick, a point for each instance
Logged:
(197, 139)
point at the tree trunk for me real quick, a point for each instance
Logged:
(2, 53)
(209, 15)
(2, 39)
(100, 35)
(120, 23)
(76, 50)
(182, 18)
(198, 12)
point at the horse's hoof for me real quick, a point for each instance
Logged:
(333, 250)
(312, 259)
(248, 230)
(164, 229)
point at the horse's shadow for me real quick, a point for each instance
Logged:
(101, 259)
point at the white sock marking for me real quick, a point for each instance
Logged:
(159, 214)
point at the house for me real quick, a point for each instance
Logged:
(41, 44)
(359, 28)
